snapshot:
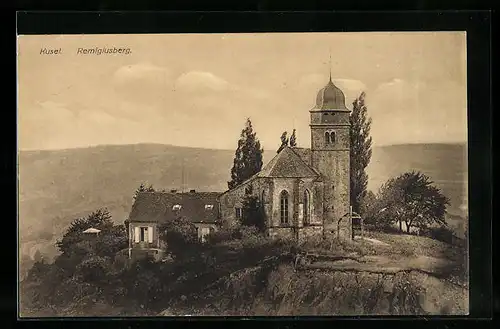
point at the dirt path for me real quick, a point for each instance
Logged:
(374, 241)
(382, 264)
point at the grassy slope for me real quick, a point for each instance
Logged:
(57, 186)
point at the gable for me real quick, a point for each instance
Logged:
(287, 164)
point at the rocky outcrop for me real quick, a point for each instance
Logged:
(346, 290)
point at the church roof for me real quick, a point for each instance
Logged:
(330, 97)
(197, 207)
(287, 164)
(304, 154)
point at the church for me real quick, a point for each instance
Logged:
(305, 192)
(302, 192)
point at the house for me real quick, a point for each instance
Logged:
(151, 209)
(305, 192)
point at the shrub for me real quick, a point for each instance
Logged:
(442, 233)
(224, 234)
(94, 269)
(180, 236)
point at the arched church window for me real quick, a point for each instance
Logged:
(327, 138)
(284, 207)
(263, 197)
(332, 137)
(307, 212)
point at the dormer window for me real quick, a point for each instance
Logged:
(177, 207)
(209, 206)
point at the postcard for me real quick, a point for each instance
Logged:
(264, 174)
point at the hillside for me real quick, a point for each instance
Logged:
(58, 186)
(247, 274)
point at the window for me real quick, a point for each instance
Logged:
(238, 212)
(203, 233)
(306, 207)
(263, 197)
(332, 137)
(144, 234)
(209, 206)
(177, 207)
(284, 207)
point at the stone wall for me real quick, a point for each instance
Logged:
(307, 232)
(282, 232)
(229, 201)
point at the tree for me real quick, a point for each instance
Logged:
(293, 139)
(248, 156)
(180, 236)
(142, 188)
(98, 219)
(413, 199)
(284, 141)
(111, 239)
(252, 213)
(361, 150)
(368, 207)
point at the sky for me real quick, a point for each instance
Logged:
(197, 90)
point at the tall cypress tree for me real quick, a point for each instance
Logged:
(247, 158)
(361, 150)
(293, 139)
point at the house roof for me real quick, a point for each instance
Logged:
(163, 206)
(287, 164)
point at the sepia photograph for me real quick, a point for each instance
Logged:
(242, 174)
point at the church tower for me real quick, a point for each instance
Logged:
(330, 156)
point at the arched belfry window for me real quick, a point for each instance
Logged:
(327, 138)
(284, 207)
(307, 207)
(332, 137)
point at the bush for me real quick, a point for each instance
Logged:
(442, 233)
(94, 269)
(224, 234)
(180, 236)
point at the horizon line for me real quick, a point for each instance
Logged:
(218, 149)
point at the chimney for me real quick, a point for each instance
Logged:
(192, 191)
(173, 191)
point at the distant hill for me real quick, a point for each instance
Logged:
(57, 186)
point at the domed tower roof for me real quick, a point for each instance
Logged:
(330, 97)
